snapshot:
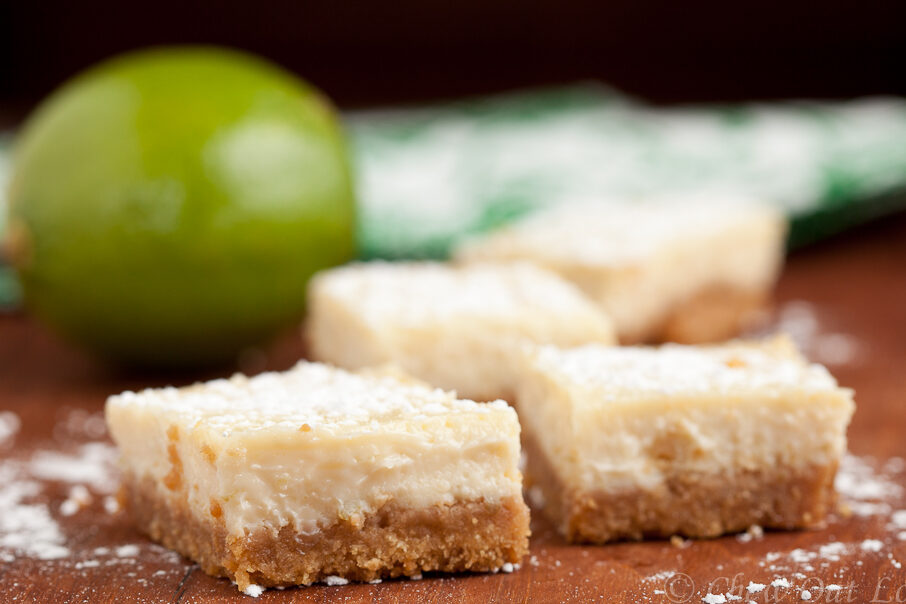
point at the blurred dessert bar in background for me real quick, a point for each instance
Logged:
(678, 269)
(454, 327)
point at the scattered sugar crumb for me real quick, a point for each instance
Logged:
(534, 560)
(93, 464)
(536, 497)
(509, 567)
(836, 349)
(872, 545)
(832, 551)
(799, 319)
(334, 580)
(895, 465)
(80, 424)
(416, 577)
(806, 594)
(898, 519)
(754, 532)
(375, 581)
(69, 507)
(111, 504)
(780, 583)
(78, 498)
(714, 599)
(754, 588)
(857, 480)
(253, 590)
(127, 551)
(9, 426)
(659, 576)
(26, 528)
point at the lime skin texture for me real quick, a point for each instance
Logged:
(168, 207)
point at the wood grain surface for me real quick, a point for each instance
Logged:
(854, 287)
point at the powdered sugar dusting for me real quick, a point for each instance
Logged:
(310, 393)
(431, 293)
(753, 533)
(9, 425)
(30, 520)
(898, 519)
(754, 588)
(127, 551)
(618, 372)
(27, 524)
(865, 491)
(43, 495)
(871, 545)
(79, 497)
(91, 464)
(26, 528)
(800, 319)
(659, 576)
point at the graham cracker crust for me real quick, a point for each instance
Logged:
(394, 541)
(713, 314)
(695, 505)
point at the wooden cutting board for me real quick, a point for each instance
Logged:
(846, 299)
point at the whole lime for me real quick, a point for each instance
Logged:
(168, 207)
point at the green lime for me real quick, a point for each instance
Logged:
(168, 207)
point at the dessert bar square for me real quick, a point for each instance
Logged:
(291, 478)
(680, 269)
(453, 327)
(632, 442)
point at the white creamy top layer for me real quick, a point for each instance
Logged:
(429, 292)
(618, 374)
(315, 445)
(310, 393)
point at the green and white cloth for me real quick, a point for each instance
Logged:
(426, 177)
(429, 176)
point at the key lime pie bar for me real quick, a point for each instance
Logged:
(453, 327)
(631, 442)
(677, 269)
(317, 474)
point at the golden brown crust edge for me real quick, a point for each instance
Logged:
(690, 504)
(394, 541)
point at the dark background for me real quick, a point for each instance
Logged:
(380, 52)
